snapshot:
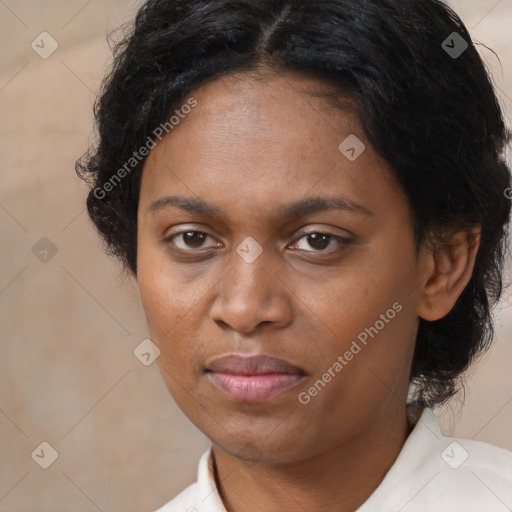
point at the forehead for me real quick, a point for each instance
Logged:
(254, 139)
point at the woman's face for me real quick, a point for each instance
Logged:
(265, 279)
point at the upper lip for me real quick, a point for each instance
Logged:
(259, 364)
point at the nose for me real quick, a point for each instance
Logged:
(251, 294)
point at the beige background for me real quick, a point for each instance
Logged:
(69, 326)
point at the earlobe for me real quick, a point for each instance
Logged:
(448, 271)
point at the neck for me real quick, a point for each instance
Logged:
(340, 479)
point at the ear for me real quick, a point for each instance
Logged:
(447, 272)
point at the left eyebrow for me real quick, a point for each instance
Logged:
(300, 208)
(312, 205)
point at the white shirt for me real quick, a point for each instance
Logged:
(432, 473)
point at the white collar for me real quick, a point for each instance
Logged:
(432, 473)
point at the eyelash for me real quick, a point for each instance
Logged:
(341, 240)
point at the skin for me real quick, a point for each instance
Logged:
(251, 145)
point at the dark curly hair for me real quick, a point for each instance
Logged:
(431, 113)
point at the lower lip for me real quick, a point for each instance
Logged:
(254, 388)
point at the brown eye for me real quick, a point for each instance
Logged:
(321, 241)
(189, 240)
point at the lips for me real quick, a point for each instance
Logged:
(261, 364)
(254, 378)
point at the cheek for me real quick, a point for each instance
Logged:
(169, 320)
(169, 313)
(173, 305)
(370, 320)
(163, 305)
(165, 294)
(354, 300)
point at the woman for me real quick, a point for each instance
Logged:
(313, 200)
